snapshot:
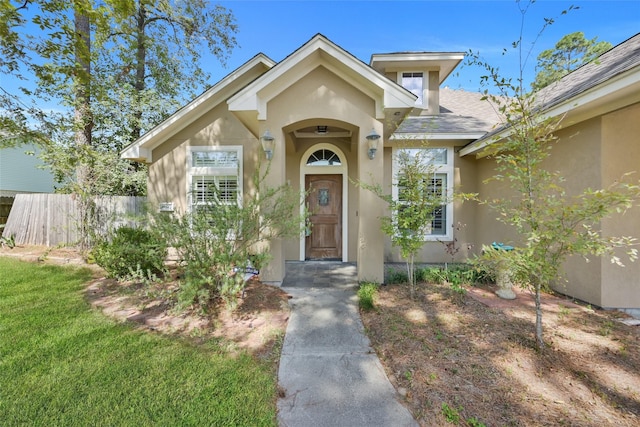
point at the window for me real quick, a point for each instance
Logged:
(413, 82)
(214, 172)
(439, 182)
(323, 157)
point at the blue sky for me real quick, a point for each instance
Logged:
(277, 28)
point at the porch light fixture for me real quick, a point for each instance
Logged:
(322, 130)
(372, 143)
(268, 141)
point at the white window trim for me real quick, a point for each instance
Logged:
(214, 171)
(425, 85)
(439, 169)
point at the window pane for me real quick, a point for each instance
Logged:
(218, 158)
(433, 156)
(323, 158)
(439, 223)
(435, 184)
(413, 83)
(223, 189)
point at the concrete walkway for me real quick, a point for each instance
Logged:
(328, 371)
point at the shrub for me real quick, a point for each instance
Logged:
(131, 252)
(366, 294)
(396, 276)
(219, 240)
(431, 275)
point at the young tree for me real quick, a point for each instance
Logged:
(570, 52)
(552, 224)
(413, 210)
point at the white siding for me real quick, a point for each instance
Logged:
(20, 172)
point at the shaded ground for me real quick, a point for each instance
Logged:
(470, 359)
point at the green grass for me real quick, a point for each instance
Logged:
(366, 295)
(64, 364)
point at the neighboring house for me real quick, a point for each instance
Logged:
(324, 108)
(21, 171)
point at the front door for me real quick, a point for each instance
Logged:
(324, 201)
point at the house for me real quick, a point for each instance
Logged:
(326, 120)
(21, 172)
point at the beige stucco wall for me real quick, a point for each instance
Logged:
(321, 97)
(621, 154)
(591, 154)
(167, 174)
(576, 156)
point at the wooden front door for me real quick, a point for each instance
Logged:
(324, 201)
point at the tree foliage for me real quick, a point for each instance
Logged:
(570, 52)
(551, 223)
(413, 211)
(138, 62)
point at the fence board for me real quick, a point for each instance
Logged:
(52, 219)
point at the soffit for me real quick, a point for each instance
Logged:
(444, 62)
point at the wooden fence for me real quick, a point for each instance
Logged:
(52, 219)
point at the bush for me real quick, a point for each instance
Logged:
(431, 275)
(131, 252)
(366, 295)
(396, 276)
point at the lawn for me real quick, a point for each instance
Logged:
(64, 363)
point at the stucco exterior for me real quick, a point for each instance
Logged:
(322, 99)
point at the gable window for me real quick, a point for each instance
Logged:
(438, 182)
(214, 173)
(414, 82)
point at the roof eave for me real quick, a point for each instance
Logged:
(606, 90)
(141, 149)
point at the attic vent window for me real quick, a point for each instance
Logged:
(413, 82)
(324, 158)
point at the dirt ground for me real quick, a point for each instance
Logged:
(471, 359)
(456, 359)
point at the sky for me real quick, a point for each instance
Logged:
(277, 28)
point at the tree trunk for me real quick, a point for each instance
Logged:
(539, 338)
(139, 83)
(83, 122)
(411, 275)
(82, 113)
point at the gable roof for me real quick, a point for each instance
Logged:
(142, 148)
(610, 82)
(320, 50)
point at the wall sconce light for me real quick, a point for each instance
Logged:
(268, 142)
(372, 143)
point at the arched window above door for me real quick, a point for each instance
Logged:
(323, 157)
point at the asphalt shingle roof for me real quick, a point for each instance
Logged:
(460, 112)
